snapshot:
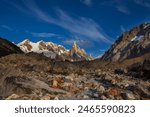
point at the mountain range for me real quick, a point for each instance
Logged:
(131, 44)
(54, 51)
(123, 72)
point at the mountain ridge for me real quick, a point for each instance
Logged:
(6, 47)
(54, 51)
(130, 44)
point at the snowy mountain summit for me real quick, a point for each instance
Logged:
(54, 51)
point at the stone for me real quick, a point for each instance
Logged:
(56, 98)
(46, 97)
(111, 97)
(85, 97)
(108, 77)
(55, 83)
(103, 97)
(128, 96)
(114, 92)
(101, 89)
(13, 96)
(67, 84)
(95, 95)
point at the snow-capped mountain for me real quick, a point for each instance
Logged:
(131, 44)
(49, 49)
(54, 51)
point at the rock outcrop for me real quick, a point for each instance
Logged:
(131, 44)
(6, 48)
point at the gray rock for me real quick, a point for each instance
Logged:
(95, 95)
(46, 97)
(86, 97)
(101, 89)
(128, 96)
(103, 97)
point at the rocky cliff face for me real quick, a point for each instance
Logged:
(54, 51)
(131, 44)
(7, 48)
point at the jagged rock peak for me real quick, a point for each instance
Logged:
(75, 47)
(75, 44)
(78, 53)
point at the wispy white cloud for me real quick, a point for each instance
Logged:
(87, 2)
(143, 3)
(6, 27)
(119, 5)
(81, 26)
(44, 35)
(123, 9)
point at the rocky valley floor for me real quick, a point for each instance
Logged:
(35, 77)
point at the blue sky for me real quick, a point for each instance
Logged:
(93, 24)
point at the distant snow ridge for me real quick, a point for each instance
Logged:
(40, 46)
(54, 51)
(49, 49)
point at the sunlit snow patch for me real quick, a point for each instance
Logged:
(137, 38)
